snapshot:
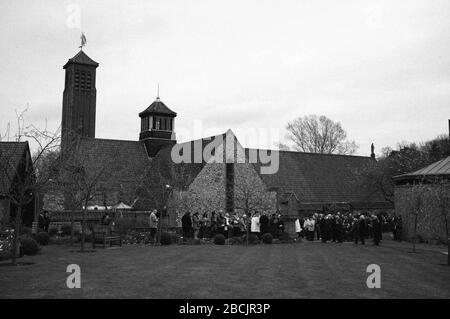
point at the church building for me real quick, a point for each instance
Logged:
(144, 174)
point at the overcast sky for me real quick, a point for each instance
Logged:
(381, 68)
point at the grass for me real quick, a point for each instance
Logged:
(304, 270)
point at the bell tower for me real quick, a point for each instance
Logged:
(79, 99)
(157, 127)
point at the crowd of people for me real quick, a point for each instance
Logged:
(339, 227)
(196, 226)
(333, 227)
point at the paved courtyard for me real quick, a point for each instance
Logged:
(305, 270)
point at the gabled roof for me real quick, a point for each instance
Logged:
(321, 178)
(437, 169)
(185, 172)
(159, 108)
(163, 170)
(81, 58)
(11, 154)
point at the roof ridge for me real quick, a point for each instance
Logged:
(204, 138)
(307, 153)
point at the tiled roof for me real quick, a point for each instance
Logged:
(11, 153)
(158, 107)
(321, 178)
(81, 58)
(439, 168)
(126, 160)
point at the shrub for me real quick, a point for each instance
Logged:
(29, 246)
(66, 229)
(53, 231)
(284, 237)
(43, 238)
(267, 238)
(5, 255)
(25, 231)
(219, 239)
(175, 239)
(166, 239)
(252, 239)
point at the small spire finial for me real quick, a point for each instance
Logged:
(157, 96)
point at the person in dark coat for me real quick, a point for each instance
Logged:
(280, 225)
(324, 229)
(333, 230)
(106, 220)
(338, 229)
(273, 225)
(186, 225)
(376, 228)
(362, 230)
(213, 222)
(354, 230)
(264, 224)
(46, 221)
(398, 226)
(41, 221)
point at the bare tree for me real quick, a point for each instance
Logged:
(316, 134)
(250, 192)
(27, 179)
(82, 178)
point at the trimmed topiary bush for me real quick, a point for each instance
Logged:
(252, 239)
(53, 231)
(175, 239)
(66, 230)
(267, 238)
(219, 239)
(284, 237)
(25, 231)
(29, 246)
(166, 239)
(43, 238)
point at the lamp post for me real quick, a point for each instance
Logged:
(166, 191)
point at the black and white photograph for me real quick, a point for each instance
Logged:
(228, 155)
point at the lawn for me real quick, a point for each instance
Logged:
(304, 270)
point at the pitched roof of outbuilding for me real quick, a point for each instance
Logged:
(11, 154)
(439, 168)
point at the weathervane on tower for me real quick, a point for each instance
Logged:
(83, 41)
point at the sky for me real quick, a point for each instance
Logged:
(380, 68)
